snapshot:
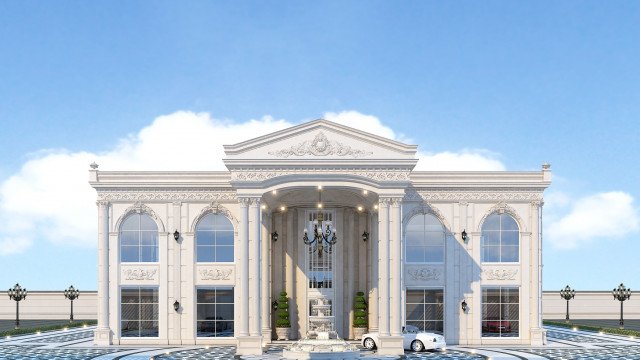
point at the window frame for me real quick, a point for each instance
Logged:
(500, 245)
(156, 288)
(215, 287)
(139, 231)
(427, 288)
(215, 245)
(482, 303)
(444, 241)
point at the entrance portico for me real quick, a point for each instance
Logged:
(189, 257)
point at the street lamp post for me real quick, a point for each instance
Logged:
(71, 293)
(17, 293)
(567, 293)
(621, 293)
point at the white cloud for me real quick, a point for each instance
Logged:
(50, 199)
(603, 216)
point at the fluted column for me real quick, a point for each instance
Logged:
(254, 264)
(243, 267)
(102, 335)
(396, 266)
(374, 288)
(383, 267)
(265, 306)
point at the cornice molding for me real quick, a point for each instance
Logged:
(376, 174)
(489, 195)
(169, 195)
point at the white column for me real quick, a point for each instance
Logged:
(396, 267)
(254, 263)
(535, 303)
(383, 267)
(243, 267)
(373, 259)
(102, 335)
(265, 305)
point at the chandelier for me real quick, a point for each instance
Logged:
(322, 239)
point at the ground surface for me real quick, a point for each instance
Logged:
(6, 325)
(609, 323)
(76, 344)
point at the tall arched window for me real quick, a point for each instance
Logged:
(424, 239)
(138, 239)
(500, 239)
(214, 239)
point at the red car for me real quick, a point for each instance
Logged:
(496, 326)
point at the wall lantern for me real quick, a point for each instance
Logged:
(464, 305)
(365, 236)
(176, 306)
(274, 305)
(176, 235)
(274, 236)
(464, 235)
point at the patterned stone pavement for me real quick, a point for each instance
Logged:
(75, 344)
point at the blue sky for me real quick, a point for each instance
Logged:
(506, 84)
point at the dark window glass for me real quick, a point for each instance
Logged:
(139, 312)
(500, 312)
(215, 312)
(425, 309)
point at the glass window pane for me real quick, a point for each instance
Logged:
(415, 312)
(132, 222)
(205, 237)
(508, 223)
(510, 311)
(491, 296)
(205, 253)
(130, 254)
(434, 238)
(149, 238)
(434, 254)
(509, 254)
(224, 312)
(490, 254)
(148, 253)
(415, 296)
(147, 223)
(415, 254)
(130, 312)
(490, 238)
(492, 222)
(416, 223)
(224, 254)
(206, 311)
(224, 328)
(222, 223)
(206, 296)
(510, 295)
(432, 221)
(129, 238)
(130, 328)
(148, 295)
(510, 238)
(206, 328)
(149, 312)
(224, 296)
(148, 328)
(224, 238)
(129, 295)
(205, 223)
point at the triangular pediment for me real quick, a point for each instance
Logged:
(319, 140)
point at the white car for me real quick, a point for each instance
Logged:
(412, 339)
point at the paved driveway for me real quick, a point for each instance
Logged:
(76, 344)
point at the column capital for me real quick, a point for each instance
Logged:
(244, 201)
(384, 201)
(102, 203)
(537, 204)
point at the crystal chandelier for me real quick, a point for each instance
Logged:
(321, 238)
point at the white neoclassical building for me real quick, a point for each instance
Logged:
(193, 257)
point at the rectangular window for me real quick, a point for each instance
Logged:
(500, 312)
(425, 309)
(139, 312)
(215, 312)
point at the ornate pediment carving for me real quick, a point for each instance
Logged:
(320, 146)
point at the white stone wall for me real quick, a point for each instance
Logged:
(589, 305)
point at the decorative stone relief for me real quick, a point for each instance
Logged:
(475, 195)
(162, 195)
(254, 175)
(214, 208)
(426, 208)
(425, 274)
(140, 274)
(500, 274)
(502, 208)
(320, 146)
(215, 274)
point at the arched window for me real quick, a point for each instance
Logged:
(424, 239)
(214, 239)
(138, 239)
(500, 239)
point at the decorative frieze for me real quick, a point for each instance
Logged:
(458, 195)
(500, 274)
(425, 274)
(320, 146)
(255, 175)
(140, 274)
(215, 274)
(165, 195)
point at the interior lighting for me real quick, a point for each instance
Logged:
(319, 205)
(282, 208)
(274, 192)
(360, 208)
(365, 192)
(375, 207)
(319, 187)
(264, 207)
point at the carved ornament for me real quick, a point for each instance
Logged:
(165, 195)
(254, 175)
(215, 274)
(320, 146)
(475, 195)
(140, 274)
(425, 274)
(500, 274)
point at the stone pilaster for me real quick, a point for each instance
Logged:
(102, 334)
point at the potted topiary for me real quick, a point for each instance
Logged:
(283, 325)
(359, 316)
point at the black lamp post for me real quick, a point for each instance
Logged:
(567, 293)
(71, 293)
(621, 293)
(17, 293)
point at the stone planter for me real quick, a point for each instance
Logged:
(283, 333)
(358, 332)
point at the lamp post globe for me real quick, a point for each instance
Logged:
(17, 294)
(567, 293)
(621, 293)
(71, 293)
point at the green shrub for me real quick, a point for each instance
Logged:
(22, 331)
(283, 311)
(360, 311)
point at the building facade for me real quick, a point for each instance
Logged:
(320, 211)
